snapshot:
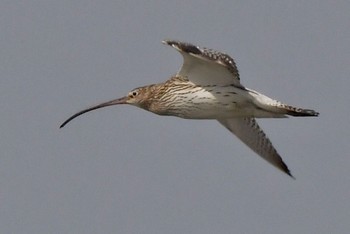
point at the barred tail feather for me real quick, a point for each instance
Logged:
(299, 112)
(275, 106)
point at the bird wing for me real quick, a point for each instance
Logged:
(248, 131)
(205, 67)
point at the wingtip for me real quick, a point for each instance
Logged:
(285, 169)
(183, 46)
(290, 174)
(165, 42)
(170, 42)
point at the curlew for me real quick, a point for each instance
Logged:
(208, 87)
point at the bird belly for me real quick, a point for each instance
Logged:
(210, 103)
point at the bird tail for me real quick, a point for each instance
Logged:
(273, 106)
(298, 112)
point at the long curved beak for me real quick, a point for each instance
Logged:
(109, 103)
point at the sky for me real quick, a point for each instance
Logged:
(124, 170)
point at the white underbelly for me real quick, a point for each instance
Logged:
(213, 103)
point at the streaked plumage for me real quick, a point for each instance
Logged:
(208, 87)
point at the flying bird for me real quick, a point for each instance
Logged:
(208, 86)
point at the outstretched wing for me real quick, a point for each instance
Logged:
(248, 131)
(205, 67)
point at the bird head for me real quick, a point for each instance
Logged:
(137, 96)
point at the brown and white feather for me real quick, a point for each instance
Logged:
(250, 133)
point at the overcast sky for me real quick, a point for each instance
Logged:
(124, 170)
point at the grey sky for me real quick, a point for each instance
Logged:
(124, 170)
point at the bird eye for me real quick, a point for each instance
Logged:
(133, 94)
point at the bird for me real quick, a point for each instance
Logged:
(208, 86)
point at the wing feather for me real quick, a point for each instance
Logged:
(204, 66)
(248, 131)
